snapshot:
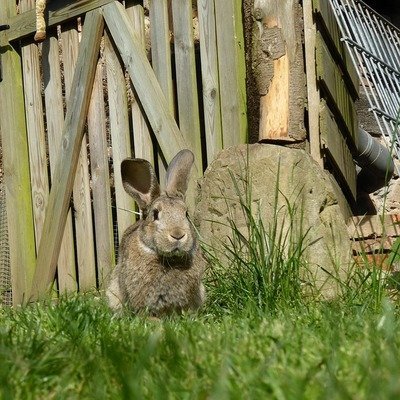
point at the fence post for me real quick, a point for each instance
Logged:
(16, 165)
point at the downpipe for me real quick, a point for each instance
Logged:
(375, 163)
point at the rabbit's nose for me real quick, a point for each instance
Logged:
(177, 234)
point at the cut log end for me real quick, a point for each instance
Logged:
(40, 36)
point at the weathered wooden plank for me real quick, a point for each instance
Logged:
(161, 49)
(335, 144)
(371, 226)
(330, 29)
(279, 54)
(374, 238)
(232, 71)
(24, 24)
(210, 78)
(313, 97)
(373, 245)
(63, 181)
(100, 178)
(82, 207)
(169, 137)
(14, 141)
(66, 268)
(330, 79)
(120, 134)
(186, 81)
(35, 129)
(161, 59)
(143, 146)
(374, 261)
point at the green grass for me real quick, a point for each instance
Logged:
(75, 349)
(257, 337)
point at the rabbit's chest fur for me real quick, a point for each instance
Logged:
(149, 284)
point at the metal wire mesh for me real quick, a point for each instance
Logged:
(5, 272)
(374, 44)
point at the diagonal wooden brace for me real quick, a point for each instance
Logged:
(64, 174)
(152, 99)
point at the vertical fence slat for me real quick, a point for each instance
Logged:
(16, 166)
(210, 79)
(61, 190)
(55, 122)
(185, 65)
(35, 129)
(120, 135)
(232, 71)
(103, 221)
(313, 98)
(82, 211)
(161, 58)
(142, 142)
(161, 49)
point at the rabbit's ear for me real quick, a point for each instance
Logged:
(140, 181)
(178, 172)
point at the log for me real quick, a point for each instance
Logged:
(279, 70)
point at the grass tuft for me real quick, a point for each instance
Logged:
(260, 267)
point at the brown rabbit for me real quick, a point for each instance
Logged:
(160, 265)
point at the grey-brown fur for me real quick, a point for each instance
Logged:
(160, 266)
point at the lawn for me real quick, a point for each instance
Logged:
(257, 337)
(76, 349)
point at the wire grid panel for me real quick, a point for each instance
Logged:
(5, 272)
(374, 44)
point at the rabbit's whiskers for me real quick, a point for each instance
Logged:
(130, 211)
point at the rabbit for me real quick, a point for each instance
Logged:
(160, 265)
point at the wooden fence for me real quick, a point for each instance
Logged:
(72, 108)
(334, 85)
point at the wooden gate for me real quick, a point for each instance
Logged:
(73, 108)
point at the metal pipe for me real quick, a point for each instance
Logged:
(374, 48)
(375, 161)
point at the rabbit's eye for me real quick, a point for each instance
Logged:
(155, 214)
